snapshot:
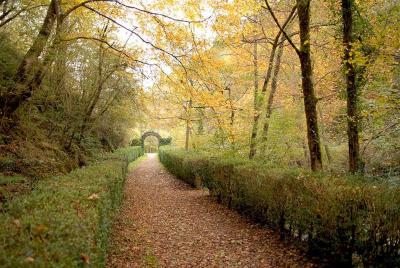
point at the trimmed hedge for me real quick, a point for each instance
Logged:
(65, 221)
(347, 220)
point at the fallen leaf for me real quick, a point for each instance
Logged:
(40, 229)
(85, 258)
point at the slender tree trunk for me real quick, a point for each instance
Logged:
(274, 86)
(323, 138)
(258, 99)
(350, 72)
(101, 80)
(258, 95)
(200, 126)
(256, 115)
(60, 66)
(188, 107)
(231, 119)
(30, 69)
(310, 101)
(193, 140)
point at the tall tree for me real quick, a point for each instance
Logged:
(310, 100)
(351, 87)
(256, 113)
(274, 86)
(259, 95)
(30, 68)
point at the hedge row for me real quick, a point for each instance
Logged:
(347, 221)
(65, 221)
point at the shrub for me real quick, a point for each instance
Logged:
(65, 221)
(348, 220)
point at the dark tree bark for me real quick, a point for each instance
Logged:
(30, 71)
(310, 100)
(350, 73)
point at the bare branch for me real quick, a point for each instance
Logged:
(83, 4)
(176, 57)
(379, 134)
(282, 28)
(111, 46)
(160, 14)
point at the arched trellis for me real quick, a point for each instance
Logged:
(161, 141)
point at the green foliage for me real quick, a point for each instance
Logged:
(74, 114)
(65, 221)
(162, 141)
(348, 219)
(9, 59)
(165, 141)
(136, 142)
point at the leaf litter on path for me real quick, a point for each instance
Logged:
(165, 223)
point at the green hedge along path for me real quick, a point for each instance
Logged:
(166, 223)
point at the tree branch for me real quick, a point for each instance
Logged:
(159, 14)
(83, 4)
(109, 45)
(4, 20)
(176, 57)
(282, 29)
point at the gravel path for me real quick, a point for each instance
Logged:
(165, 223)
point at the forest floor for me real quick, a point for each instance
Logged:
(165, 223)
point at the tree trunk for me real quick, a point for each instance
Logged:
(258, 95)
(305, 153)
(310, 101)
(323, 139)
(256, 115)
(101, 80)
(30, 69)
(187, 108)
(274, 86)
(350, 73)
(231, 119)
(258, 98)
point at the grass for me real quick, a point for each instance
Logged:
(150, 259)
(132, 166)
(12, 179)
(65, 220)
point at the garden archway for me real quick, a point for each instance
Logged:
(148, 134)
(161, 141)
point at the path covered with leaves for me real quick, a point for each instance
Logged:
(165, 223)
